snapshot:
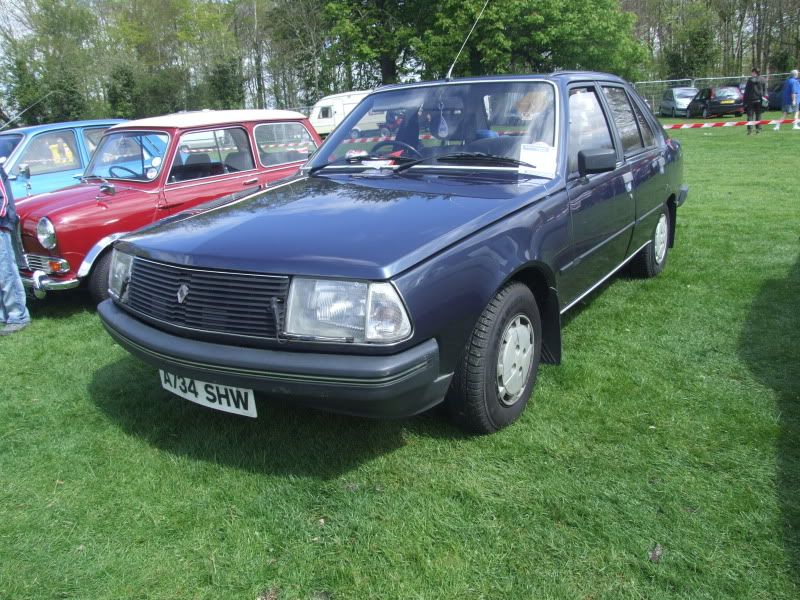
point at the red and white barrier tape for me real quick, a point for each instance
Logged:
(729, 124)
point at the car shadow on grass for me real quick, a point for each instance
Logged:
(283, 440)
(769, 345)
(61, 305)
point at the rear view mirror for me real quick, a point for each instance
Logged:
(24, 171)
(596, 161)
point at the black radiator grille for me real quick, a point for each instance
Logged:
(216, 301)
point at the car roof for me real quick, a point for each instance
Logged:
(62, 125)
(567, 76)
(202, 118)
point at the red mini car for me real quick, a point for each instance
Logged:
(145, 170)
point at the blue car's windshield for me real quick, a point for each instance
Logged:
(8, 142)
(131, 155)
(470, 125)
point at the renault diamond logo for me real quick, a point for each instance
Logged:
(183, 291)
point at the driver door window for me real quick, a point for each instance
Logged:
(588, 129)
(52, 152)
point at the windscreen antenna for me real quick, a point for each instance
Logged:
(480, 14)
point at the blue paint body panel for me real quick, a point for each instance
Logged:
(22, 139)
(448, 240)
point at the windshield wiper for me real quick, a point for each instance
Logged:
(359, 159)
(85, 178)
(479, 157)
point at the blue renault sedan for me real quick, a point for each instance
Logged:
(44, 158)
(397, 272)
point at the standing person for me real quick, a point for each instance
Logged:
(791, 93)
(13, 312)
(754, 90)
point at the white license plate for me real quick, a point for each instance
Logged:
(239, 401)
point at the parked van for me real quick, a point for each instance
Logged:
(331, 110)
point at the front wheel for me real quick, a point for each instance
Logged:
(651, 259)
(495, 378)
(98, 278)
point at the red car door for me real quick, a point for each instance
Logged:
(208, 164)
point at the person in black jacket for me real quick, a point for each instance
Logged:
(754, 90)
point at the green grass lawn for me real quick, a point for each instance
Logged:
(673, 422)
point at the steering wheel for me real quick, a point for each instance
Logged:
(121, 168)
(395, 144)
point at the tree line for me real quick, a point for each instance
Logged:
(72, 59)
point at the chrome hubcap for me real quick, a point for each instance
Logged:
(660, 241)
(514, 359)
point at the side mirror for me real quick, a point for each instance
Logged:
(24, 171)
(596, 161)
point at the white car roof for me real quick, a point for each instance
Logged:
(201, 118)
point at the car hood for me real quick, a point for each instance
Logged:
(67, 203)
(345, 226)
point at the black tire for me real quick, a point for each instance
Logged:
(98, 278)
(474, 400)
(651, 259)
(355, 132)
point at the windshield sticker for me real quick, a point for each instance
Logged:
(151, 173)
(539, 154)
(156, 162)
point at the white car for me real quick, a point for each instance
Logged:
(675, 101)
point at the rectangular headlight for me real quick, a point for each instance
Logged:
(351, 311)
(119, 274)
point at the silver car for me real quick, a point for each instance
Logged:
(675, 101)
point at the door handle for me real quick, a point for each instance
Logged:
(251, 181)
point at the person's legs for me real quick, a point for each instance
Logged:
(751, 115)
(12, 293)
(758, 110)
(783, 117)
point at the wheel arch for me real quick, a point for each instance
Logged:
(95, 252)
(540, 280)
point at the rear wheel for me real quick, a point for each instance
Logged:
(494, 381)
(98, 278)
(651, 259)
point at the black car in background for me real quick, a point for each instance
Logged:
(717, 101)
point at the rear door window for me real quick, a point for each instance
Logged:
(281, 143)
(624, 118)
(92, 137)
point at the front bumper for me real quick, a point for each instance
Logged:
(38, 283)
(397, 385)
